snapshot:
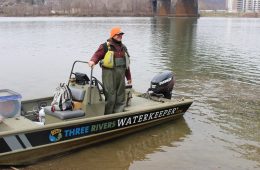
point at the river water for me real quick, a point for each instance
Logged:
(216, 62)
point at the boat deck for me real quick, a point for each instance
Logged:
(140, 102)
(19, 123)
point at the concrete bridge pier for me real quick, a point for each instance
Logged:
(178, 8)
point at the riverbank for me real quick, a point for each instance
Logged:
(101, 8)
(228, 14)
(71, 14)
(75, 8)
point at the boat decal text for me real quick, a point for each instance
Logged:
(103, 126)
(76, 131)
(57, 134)
(144, 117)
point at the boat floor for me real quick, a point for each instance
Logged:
(19, 123)
(140, 102)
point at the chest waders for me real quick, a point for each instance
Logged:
(114, 86)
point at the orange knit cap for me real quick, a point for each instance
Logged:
(114, 31)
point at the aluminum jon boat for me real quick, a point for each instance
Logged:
(31, 130)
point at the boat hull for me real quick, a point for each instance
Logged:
(36, 144)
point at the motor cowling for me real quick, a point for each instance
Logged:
(162, 84)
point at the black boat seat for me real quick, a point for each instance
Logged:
(63, 115)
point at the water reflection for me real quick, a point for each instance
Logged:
(175, 42)
(122, 152)
(221, 78)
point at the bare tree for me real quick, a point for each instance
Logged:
(75, 7)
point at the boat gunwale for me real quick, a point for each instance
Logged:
(98, 118)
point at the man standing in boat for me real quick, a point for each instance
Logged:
(114, 59)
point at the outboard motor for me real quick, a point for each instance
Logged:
(162, 84)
